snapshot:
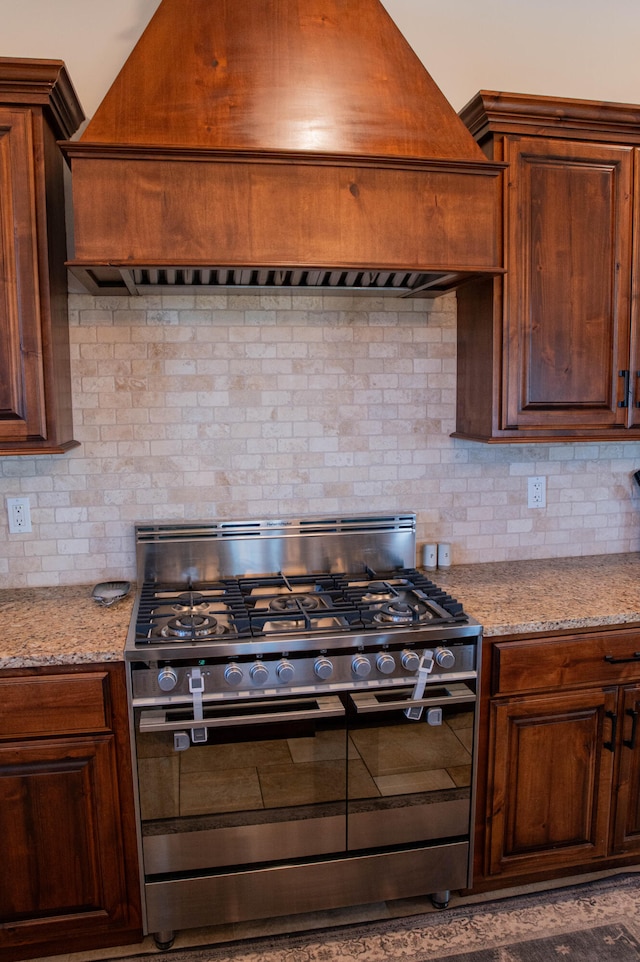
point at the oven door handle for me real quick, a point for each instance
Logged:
(159, 720)
(455, 694)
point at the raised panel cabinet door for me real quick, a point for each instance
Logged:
(567, 310)
(550, 781)
(22, 400)
(62, 872)
(626, 830)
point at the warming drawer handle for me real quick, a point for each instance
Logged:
(159, 720)
(621, 661)
(456, 694)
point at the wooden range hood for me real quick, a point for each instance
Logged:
(279, 144)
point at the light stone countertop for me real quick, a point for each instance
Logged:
(64, 625)
(60, 626)
(548, 595)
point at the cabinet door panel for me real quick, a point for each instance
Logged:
(551, 781)
(567, 308)
(60, 809)
(22, 404)
(627, 816)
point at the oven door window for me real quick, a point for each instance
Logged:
(410, 780)
(254, 782)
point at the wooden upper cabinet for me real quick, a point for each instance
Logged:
(549, 352)
(37, 107)
(568, 285)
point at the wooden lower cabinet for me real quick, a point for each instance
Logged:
(69, 880)
(552, 781)
(560, 793)
(626, 835)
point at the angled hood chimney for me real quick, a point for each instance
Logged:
(279, 144)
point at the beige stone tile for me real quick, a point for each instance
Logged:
(361, 784)
(303, 784)
(411, 782)
(159, 787)
(465, 736)
(321, 746)
(461, 720)
(409, 748)
(461, 774)
(155, 744)
(223, 758)
(236, 790)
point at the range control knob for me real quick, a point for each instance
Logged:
(323, 668)
(259, 673)
(233, 674)
(444, 658)
(385, 663)
(167, 679)
(410, 660)
(285, 671)
(360, 666)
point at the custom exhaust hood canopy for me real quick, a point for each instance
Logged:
(278, 144)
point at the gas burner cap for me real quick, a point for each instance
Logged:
(192, 626)
(380, 590)
(294, 603)
(190, 601)
(400, 613)
(378, 587)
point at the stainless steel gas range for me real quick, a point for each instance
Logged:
(303, 706)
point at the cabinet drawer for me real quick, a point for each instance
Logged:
(53, 704)
(564, 661)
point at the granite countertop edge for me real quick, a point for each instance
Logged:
(506, 598)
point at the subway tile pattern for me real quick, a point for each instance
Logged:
(199, 406)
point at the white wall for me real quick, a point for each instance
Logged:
(190, 407)
(568, 48)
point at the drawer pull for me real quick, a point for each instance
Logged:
(631, 742)
(611, 745)
(620, 661)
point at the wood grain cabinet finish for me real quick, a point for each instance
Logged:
(37, 107)
(562, 791)
(550, 351)
(69, 880)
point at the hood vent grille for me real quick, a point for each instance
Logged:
(172, 280)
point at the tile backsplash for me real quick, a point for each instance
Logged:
(260, 406)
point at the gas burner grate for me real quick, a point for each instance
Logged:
(257, 606)
(163, 605)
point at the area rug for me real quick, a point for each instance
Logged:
(591, 922)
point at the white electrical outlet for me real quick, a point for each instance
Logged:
(537, 492)
(19, 512)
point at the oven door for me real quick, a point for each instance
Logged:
(255, 782)
(410, 781)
